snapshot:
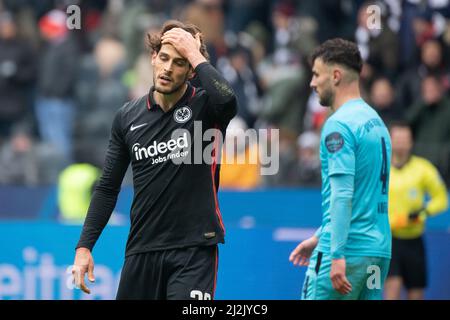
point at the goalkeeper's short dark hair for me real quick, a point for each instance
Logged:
(339, 51)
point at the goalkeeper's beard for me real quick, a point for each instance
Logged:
(326, 99)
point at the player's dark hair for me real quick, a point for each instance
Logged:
(154, 40)
(339, 51)
(434, 77)
(399, 123)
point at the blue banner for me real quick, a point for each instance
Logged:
(35, 260)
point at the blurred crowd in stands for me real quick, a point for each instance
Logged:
(60, 88)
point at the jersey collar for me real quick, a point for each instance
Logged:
(185, 99)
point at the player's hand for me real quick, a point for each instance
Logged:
(338, 278)
(186, 45)
(418, 216)
(301, 254)
(84, 263)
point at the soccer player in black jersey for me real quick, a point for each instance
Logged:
(176, 224)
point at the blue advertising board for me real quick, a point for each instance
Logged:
(262, 228)
(36, 257)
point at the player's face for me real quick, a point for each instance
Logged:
(321, 82)
(402, 141)
(170, 70)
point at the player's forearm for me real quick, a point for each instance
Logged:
(196, 58)
(438, 202)
(105, 195)
(104, 198)
(100, 210)
(318, 232)
(341, 213)
(218, 89)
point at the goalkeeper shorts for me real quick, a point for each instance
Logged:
(366, 275)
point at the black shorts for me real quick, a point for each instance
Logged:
(176, 274)
(409, 262)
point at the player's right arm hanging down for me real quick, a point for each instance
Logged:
(102, 203)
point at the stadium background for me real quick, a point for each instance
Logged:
(59, 90)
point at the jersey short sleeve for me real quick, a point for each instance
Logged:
(339, 145)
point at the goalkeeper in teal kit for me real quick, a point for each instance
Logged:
(349, 255)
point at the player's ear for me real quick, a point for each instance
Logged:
(337, 76)
(153, 57)
(191, 73)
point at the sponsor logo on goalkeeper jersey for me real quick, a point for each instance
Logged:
(334, 142)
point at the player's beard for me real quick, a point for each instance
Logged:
(326, 99)
(171, 90)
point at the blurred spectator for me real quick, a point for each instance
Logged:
(409, 11)
(430, 22)
(379, 47)
(418, 21)
(286, 175)
(26, 162)
(282, 20)
(240, 168)
(241, 12)
(308, 166)
(85, 75)
(432, 63)
(100, 92)
(383, 100)
(137, 18)
(18, 162)
(429, 120)
(285, 80)
(209, 16)
(139, 79)
(299, 162)
(17, 70)
(256, 39)
(284, 102)
(237, 69)
(335, 18)
(55, 108)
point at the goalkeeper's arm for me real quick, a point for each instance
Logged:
(342, 186)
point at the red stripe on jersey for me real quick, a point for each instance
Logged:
(216, 262)
(213, 176)
(148, 102)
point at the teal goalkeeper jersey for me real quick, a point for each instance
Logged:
(355, 141)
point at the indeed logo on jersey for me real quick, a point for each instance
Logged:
(156, 149)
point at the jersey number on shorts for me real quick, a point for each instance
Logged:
(198, 295)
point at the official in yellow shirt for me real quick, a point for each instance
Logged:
(413, 180)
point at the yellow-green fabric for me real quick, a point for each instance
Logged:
(408, 188)
(75, 185)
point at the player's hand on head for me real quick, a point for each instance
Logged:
(84, 263)
(180, 39)
(183, 41)
(338, 278)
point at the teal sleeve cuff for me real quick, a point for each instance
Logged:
(318, 232)
(340, 212)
